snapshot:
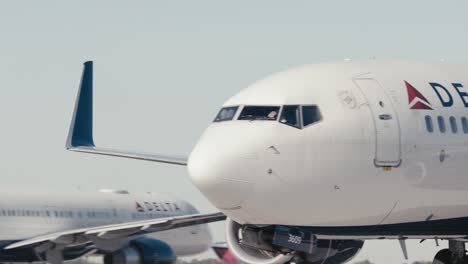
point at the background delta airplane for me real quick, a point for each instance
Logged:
(123, 227)
(312, 161)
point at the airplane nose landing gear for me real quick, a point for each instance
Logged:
(455, 254)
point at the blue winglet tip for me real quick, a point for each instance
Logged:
(81, 129)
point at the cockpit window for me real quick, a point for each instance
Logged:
(226, 114)
(310, 114)
(291, 116)
(298, 116)
(259, 113)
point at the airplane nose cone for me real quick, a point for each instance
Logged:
(223, 172)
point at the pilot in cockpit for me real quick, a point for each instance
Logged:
(272, 115)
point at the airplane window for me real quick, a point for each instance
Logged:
(310, 114)
(226, 114)
(259, 113)
(465, 125)
(441, 122)
(156, 205)
(453, 124)
(290, 116)
(429, 125)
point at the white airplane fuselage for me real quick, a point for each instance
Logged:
(33, 214)
(309, 163)
(370, 160)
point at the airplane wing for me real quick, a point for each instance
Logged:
(80, 134)
(118, 231)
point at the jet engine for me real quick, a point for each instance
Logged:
(282, 244)
(142, 251)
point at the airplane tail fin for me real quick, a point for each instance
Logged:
(80, 134)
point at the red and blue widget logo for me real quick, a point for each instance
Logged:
(418, 101)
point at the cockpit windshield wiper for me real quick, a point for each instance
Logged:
(264, 118)
(249, 117)
(253, 117)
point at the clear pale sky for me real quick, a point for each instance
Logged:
(163, 68)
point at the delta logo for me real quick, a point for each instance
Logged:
(415, 99)
(139, 208)
(418, 101)
(156, 206)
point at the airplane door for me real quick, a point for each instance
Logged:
(387, 128)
